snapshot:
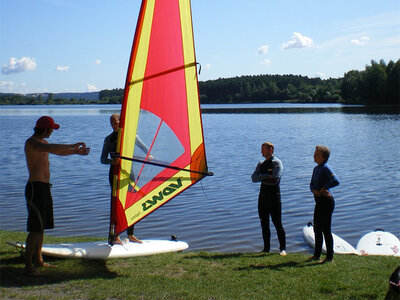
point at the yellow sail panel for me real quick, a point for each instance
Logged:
(161, 143)
(191, 75)
(132, 103)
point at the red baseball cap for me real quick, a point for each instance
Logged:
(46, 122)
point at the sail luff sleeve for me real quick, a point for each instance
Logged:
(130, 106)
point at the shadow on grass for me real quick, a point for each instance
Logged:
(214, 256)
(392, 294)
(268, 261)
(12, 271)
(276, 267)
(281, 266)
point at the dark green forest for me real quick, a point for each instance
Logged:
(377, 84)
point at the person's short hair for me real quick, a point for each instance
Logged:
(114, 115)
(269, 145)
(37, 130)
(324, 150)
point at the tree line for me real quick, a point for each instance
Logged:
(42, 99)
(378, 84)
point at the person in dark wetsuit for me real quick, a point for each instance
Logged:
(269, 172)
(323, 178)
(37, 191)
(109, 146)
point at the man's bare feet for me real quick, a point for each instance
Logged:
(117, 241)
(134, 239)
(45, 265)
(313, 258)
(323, 261)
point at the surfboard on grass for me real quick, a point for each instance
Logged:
(340, 246)
(379, 242)
(103, 250)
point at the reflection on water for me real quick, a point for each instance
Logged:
(34, 110)
(302, 109)
(219, 213)
(248, 108)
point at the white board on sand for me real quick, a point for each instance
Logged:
(102, 250)
(340, 246)
(379, 242)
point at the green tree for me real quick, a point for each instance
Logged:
(50, 98)
(351, 86)
(392, 95)
(373, 90)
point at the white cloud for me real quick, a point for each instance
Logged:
(266, 62)
(207, 66)
(97, 62)
(321, 75)
(19, 65)
(62, 69)
(263, 50)
(6, 86)
(298, 41)
(361, 41)
(92, 88)
(12, 87)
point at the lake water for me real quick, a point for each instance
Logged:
(219, 213)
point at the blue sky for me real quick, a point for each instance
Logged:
(84, 45)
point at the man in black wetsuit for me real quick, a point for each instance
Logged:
(269, 172)
(109, 146)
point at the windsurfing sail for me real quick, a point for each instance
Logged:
(160, 148)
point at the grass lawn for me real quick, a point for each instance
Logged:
(196, 275)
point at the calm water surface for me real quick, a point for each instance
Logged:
(220, 212)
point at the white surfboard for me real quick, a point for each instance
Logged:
(102, 250)
(379, 242)
(340, 246)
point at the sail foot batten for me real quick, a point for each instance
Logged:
(205, 173)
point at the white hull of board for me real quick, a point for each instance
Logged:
(379, 242)
(102, 250)
(340, 246)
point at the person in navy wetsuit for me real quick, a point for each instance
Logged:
(269, 172)
(323, 178)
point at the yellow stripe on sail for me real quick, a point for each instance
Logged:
(196, 137)
(133, 102)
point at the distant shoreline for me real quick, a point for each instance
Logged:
(361, 109)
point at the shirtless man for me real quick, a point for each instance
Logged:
(37, 191)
